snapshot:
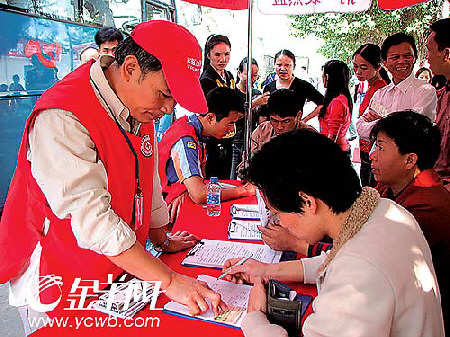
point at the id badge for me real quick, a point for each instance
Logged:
(138, 209)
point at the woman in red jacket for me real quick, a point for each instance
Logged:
(367, 67)
(334, 116)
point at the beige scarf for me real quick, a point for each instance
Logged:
(360, 212)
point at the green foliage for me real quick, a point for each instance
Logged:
(343, 33)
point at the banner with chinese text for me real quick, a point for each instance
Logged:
(226, 4)
(295, 7)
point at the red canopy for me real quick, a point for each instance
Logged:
(395, 4)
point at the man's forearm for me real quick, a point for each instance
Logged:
(288, 271)
(233, 192)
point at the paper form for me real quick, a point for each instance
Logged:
(264, 212)
(214, 253)
(245, 212)
(244, 230)
(234, 295)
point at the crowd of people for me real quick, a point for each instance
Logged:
(376, 244)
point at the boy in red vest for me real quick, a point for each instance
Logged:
(86, 194)
(182, 154)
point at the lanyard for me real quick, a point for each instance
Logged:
(124, 134)
(130, 145)
(138, 197)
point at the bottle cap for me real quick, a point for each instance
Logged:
(213, 180)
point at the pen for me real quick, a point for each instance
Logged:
(241, 262)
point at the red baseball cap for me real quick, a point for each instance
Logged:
(181, 59)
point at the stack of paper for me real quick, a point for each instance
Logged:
(234, 295)
(245, 212)
(244, 230)
(214, 253)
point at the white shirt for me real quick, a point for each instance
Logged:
(409, 94)
(75, 183)
(380, 283)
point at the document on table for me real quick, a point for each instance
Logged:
(234, 295)
(245, 212)
(244, 230)
(214, 253)
(264, 212)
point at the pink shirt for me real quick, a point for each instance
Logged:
(336, 121)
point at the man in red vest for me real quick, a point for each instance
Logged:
(182, 154)
(86, 194)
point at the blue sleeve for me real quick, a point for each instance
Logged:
(186, 159)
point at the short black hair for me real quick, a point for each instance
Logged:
(221, 101)
(146, 61)
(441, 28)
(318, 168)
(283, 103)
(107, 34)
(395, 40)
(412, 133)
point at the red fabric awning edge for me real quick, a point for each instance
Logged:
(397, 4)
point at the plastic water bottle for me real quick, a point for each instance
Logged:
(213, 205)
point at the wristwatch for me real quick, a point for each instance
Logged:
(163, 246)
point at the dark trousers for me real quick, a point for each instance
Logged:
(237, 158)
(219, 158)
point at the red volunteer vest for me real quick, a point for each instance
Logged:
(364, 145)
(26, 206)
(180, 128)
